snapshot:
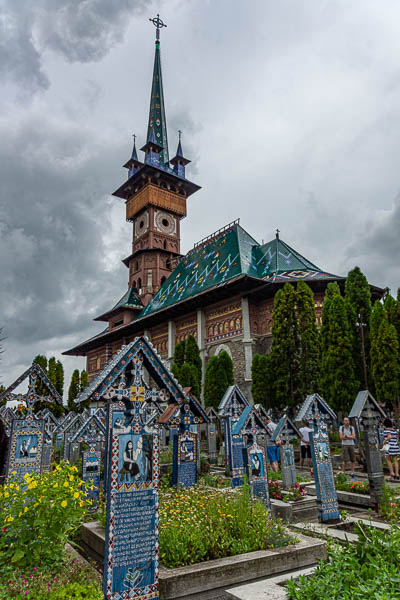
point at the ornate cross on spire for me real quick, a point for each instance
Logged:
(179, 134)
(277, 234)
(158, 24)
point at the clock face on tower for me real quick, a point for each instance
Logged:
(142, 224)
(164, 222)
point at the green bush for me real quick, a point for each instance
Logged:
(369, 569)
(38, 515)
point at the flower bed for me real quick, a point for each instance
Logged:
(199, 525)
(294, 494)
(344, 484)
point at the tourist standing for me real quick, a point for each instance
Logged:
(348, 437)
(305, 449)
(392, 450)
(273, 450)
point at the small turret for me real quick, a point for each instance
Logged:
(179, 162)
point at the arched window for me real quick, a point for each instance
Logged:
(215, 329)
(210, 331)
(226, 326)
(139, 284)
(221, 328)
(232, 324)
(134, 283)
(163, 279)
(237, 323)
(255, 327)
(165, 244)
(136, 265)
(168, 264)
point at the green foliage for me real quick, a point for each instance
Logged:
(40, 388)
(72, 579)
(74, 389)
(59, 378)
(285, 347)
(338, 379)
(187, 365)
(219, 375)
(368, 569)
(386, 369)
(39, 516)
(52, 371)
(309, 344)
(261, 376)
(235, 524)
(179, 354)
(344, 484)
(226, 367)
(358, 296)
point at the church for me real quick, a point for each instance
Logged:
(222, 291)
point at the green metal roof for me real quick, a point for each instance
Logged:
(226, 256)
(157, 120)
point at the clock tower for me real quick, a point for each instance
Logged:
(155, 195)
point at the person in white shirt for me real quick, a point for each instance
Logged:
(305, 450)
(273, 450)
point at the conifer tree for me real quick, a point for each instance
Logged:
(216, 381)
(309, 342)
(192, 357)
(396, 315)
(338, 379)
(51, 371)
(74, 389)
(285, 347)
(40, 388)
(179, 358)
(261, 376)
(332, 290)
(378, 314)
(84, 380)
(386, 365)
(226, 366)
(189, 377)
(60, 378)
(391, 309)
(358, 294)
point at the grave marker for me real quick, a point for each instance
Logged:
(254, 461)
(92, 433)
(369, 413)
(286, 431)
(131, 563)
(229, 410)
(317, 411)
(27, 433)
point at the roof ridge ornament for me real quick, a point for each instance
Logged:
(158, 24)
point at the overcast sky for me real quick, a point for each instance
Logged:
(289, 112)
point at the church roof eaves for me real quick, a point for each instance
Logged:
(130, 300)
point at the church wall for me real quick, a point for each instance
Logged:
(223, 321)
(159, 339)
(235, 349)
(186, 326)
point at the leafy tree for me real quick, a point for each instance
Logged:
(60, 378)
(261, 375)
(309, 342)
(285, 347)
(52, 371)
(358, 294)
(218, 377)
(74, 389)
(386, 364)
(338, 378)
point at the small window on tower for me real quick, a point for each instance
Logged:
(165, 222)
(163, 279)
(168, 264)
(139, 284)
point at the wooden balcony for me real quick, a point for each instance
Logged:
(156, 196)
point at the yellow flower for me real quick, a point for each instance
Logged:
(58, 468)
(32, 485)
(55, 485)
(13, 472)
(81, 503)
(10, 519)
(66, 484)
(64, 503)
(26, 509)
(71, 477)
(76, 495)
(6, 494)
